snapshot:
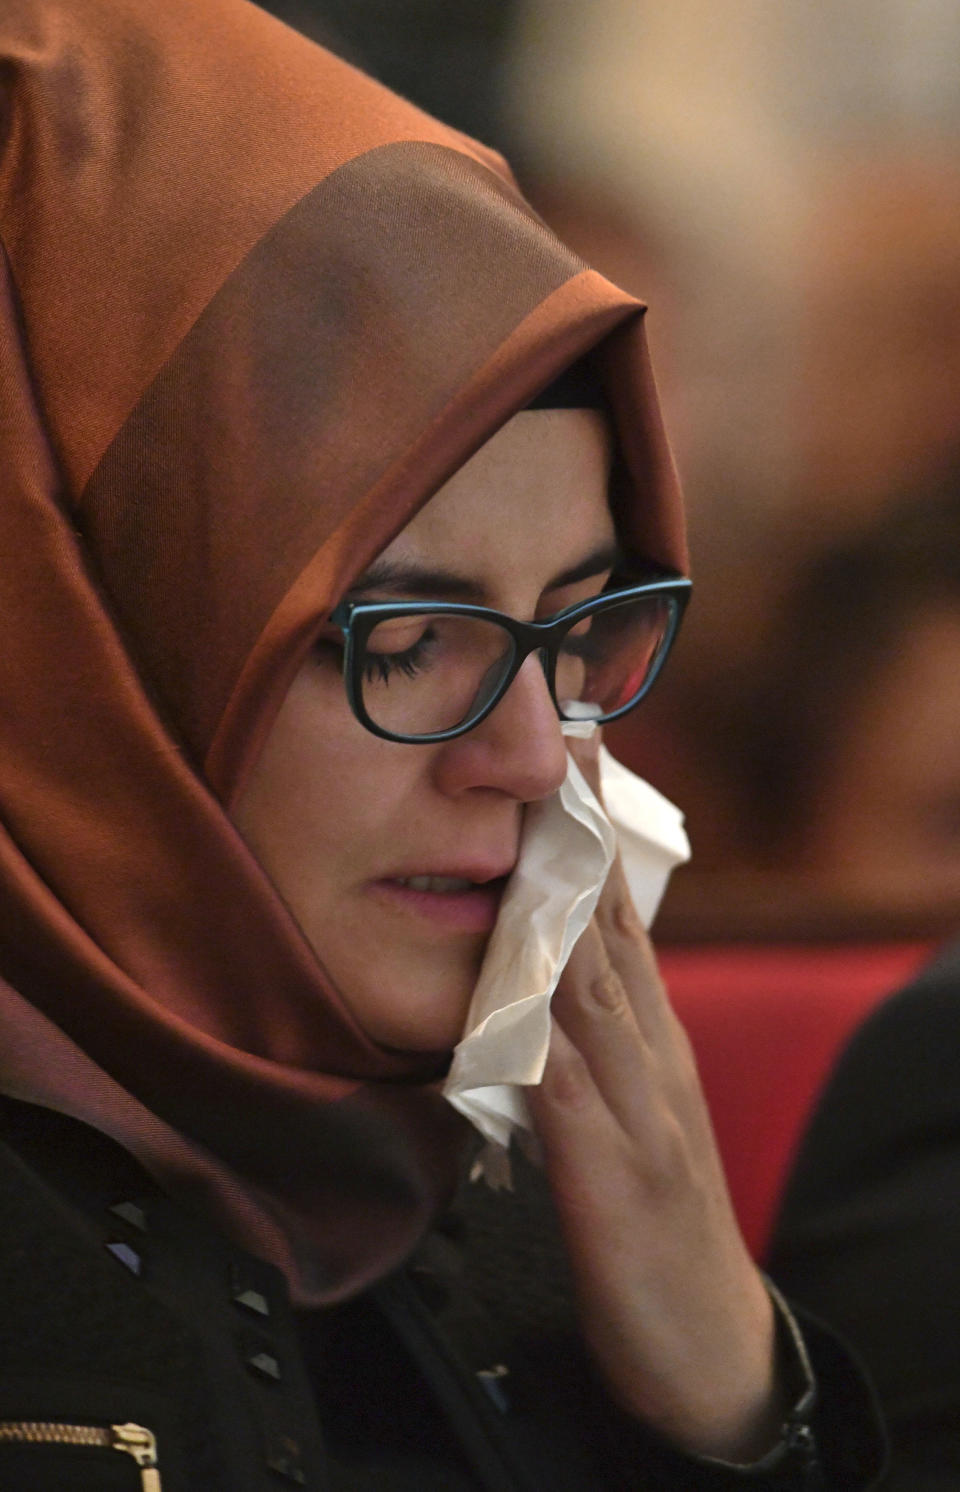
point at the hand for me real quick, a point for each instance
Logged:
(673, 1309)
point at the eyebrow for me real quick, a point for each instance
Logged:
(411, 579)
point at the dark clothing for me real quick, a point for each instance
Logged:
(459, 1373)
(869, 1233)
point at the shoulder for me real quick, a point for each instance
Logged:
(897, 1076)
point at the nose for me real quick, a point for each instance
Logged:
(519, 750)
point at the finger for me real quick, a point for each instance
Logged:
(631, 954)
(573, 1122)
(593, 1011)
(596, 1167)
(613, 1005)
(628, 946)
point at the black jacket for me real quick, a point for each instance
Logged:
(460, 1373)
(869, 1232)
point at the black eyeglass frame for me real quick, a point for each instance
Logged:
(357, 619)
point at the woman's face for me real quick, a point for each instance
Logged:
(347, 824)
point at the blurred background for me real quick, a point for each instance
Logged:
(781, 184)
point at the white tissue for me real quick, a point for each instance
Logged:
(650, 833)
(567, 849)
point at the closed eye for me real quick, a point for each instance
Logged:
(409, 661)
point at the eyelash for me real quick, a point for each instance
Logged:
(380, 666)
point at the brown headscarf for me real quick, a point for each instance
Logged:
(254, 310)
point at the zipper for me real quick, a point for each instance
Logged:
(133, 1440)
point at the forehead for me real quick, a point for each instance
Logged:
(530, 503)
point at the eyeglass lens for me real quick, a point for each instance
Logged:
(430, 672)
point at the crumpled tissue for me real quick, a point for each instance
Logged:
(566, 850)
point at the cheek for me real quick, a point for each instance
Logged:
(325, 793)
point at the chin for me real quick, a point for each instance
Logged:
(421, 1030)
(426, 1013)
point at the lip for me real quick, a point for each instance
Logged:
(479, 871)
(473, 911)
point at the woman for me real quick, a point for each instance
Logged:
(271, 339)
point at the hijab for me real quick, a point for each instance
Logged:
(254, 311)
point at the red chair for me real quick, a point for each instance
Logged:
(766, 1024)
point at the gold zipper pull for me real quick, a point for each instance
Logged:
(141, 1444)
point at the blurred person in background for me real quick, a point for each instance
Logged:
(849, 744)
(838, 746)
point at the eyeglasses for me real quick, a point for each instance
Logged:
(418, 672)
